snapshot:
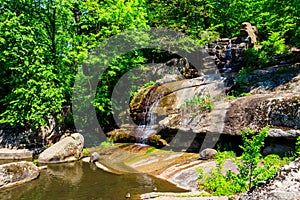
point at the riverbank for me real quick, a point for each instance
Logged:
(178, 168)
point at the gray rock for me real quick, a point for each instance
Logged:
(68, 149)
(15, 173)
(15, 154)
(94, 157)
(168, 78)
(207, 154)
(278, 110)
(275, 132)
(285, 186)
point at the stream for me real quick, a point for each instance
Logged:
(80, 180)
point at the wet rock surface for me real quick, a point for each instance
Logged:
(178, 168)
(285, 186)
(15, 173)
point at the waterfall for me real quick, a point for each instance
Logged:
(148, 126)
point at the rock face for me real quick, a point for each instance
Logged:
(285, 186)
(21, 137)
(171, 96)
(68, 149)
(256, 111)
(17, 173)
(164, 107)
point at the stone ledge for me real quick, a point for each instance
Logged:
(11, 154)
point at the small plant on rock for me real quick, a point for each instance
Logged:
(85, 152)
(198, 104)
(108, 143)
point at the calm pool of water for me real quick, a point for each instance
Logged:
(83, 181)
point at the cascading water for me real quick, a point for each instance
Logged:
(148, 125)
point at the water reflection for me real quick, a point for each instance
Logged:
(77, 181)
(67, 172)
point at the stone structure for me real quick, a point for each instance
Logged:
(94, 157)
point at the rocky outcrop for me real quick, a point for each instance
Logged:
(228, 53)
(178, 168)
(94, 157)
(171, 96)
(68, 149)
(15, 173)
(278, 78)
(21, 137)
(280, 111)
(285, 186)
(165, 107)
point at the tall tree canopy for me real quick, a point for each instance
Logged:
(44, 42)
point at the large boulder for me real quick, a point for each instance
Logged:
(285, 186)
(281, 111)
(17, 173)
(68, 149)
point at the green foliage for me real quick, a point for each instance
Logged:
(150, 83)
(275, 44)
(150, 150)
(252, 144)
(35, 162)
(136, 89)
(236, 94)
(252, 58)
(43, 45)
(109, 143)
(297, 147)
(198, 104)
(253, 168)
(218, 182)
(241, 81)
(36, 75)
(225, 155)
(110, 78)
(85, 152)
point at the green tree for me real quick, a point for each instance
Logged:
(36, 75)
(253, 168)
(252, 143)
(42, 45)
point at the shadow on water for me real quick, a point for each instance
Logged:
(79, 180)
